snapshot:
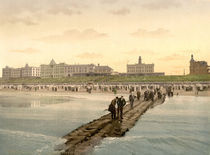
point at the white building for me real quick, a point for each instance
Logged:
(140, 68)
(53, 70)
(9, 72)
(26, 71)
(6, 72)
(29, 71)
(87, 69)
(79, 69)
(103, 70)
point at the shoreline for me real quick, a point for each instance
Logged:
(180, 92)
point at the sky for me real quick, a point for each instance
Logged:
(105, 32)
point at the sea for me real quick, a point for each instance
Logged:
(34, 124)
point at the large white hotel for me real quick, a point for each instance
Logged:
(54, 70)
(142, 69)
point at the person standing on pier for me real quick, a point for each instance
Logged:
(146, 94)
(138, 95)
(151, 95)
(131, 99)
(120, 104)
(112, 108)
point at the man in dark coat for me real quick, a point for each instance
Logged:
(112, 108)
(131, 99)
(138, 95)
(151, 95)
(146, 95)
(120, 104)
(159, 95)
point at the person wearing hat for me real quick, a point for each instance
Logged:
(112, 108)
(131, 99)
(120, 104)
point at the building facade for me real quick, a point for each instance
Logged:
(198, 67)
(86, 70)
(140, 68)
(53, 70)
(103, 70)
(16, 73)
(26, 71)
(6, 72)
(9, 72)
(29, 71)
(77, 69)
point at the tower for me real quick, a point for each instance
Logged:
(192, 59)
(139, 59)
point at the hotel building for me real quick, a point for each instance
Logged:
(53, 70)
(140, 68)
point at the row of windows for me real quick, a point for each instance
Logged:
(140, 71)
(67, 68)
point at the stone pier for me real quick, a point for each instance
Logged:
(83, 139)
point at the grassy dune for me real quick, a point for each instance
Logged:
(80, 79)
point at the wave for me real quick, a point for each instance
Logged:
(26, 134)
(49, 141)
(170, 140)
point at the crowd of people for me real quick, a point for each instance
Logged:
(117, 112)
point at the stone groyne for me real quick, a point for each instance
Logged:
(83, 139)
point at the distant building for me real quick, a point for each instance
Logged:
(198, 67)
(86, 70)
(26, 71)
(6, 72)
(9, 72)
(103, 70)
(53, 70)
(79, 69)
(29, 71)
(140, 68)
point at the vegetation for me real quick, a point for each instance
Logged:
(115, 78)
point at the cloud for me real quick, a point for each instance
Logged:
(66, 11)
(9, 7)
(74, 35)
(173, 57)
(14, 12)
(88, 55)
(27, 50)
(161, 4)
(108, 1)
(139, 52)
(122, 11)
(14, 20)
(160, 32)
